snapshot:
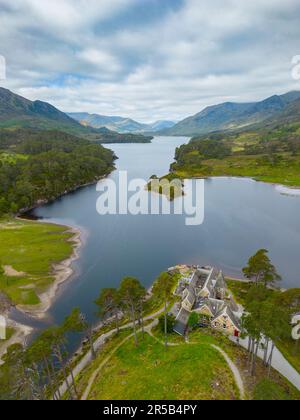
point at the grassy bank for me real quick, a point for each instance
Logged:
(26, 260)
(148, 372)
(193, 371)
(285, 172)
(271, 155)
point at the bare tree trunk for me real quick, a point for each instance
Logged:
(271, 359)
(134, 326)
(251, 349)
(52, 387)
(166, 326)
(117, 322)
(255, 358)
(267, 340)
(90, 335)
(61, 361)
(74, 383)
(68, 365)
(56, 385)
(249, 344)
(142, 322)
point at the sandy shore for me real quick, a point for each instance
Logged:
(61, 272)
(20, 336)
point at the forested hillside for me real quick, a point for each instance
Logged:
(42, 165)
(17, 112)
(269, 154)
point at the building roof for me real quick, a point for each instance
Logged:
(220, 283)
(214, 305)
(182, 321)
(227, 311)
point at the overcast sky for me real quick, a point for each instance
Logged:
(148, 59)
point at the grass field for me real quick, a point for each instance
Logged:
(149, 372)
(28, 251)
(286, 171)
(186, 371)
(269, 155)
(267, 390)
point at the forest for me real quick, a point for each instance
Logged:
(39, 166)
(269, 155)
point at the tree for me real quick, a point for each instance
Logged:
(265, 321)
(163, 287)
(40, 352)
(77, 323)
(171, 321)
(261, 270)
(109, 305)
(276, 326)
(23, 378)
(193, 320)
(56, 337)
(251, 322)
(131, 293)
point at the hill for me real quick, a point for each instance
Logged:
(40, 166)
(235, 116)
(17, 112)
(270, 152)
(119, 124)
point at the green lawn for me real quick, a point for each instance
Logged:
(286, 172)
(149, 372)
(187, 371)
(30, 249)
(267, 390)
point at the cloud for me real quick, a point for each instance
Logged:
(167, 60)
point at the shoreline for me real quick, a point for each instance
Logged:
(287, 190)
(23, 214)
(62, 271)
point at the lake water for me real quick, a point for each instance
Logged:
(241, 216)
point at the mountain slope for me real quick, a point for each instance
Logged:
(17, 112)
(232, 116)
(119, 124)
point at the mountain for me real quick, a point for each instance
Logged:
(119, 124)
(161, 125)
(233, 116)
(17, 112)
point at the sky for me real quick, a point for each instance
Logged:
(148, 59)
